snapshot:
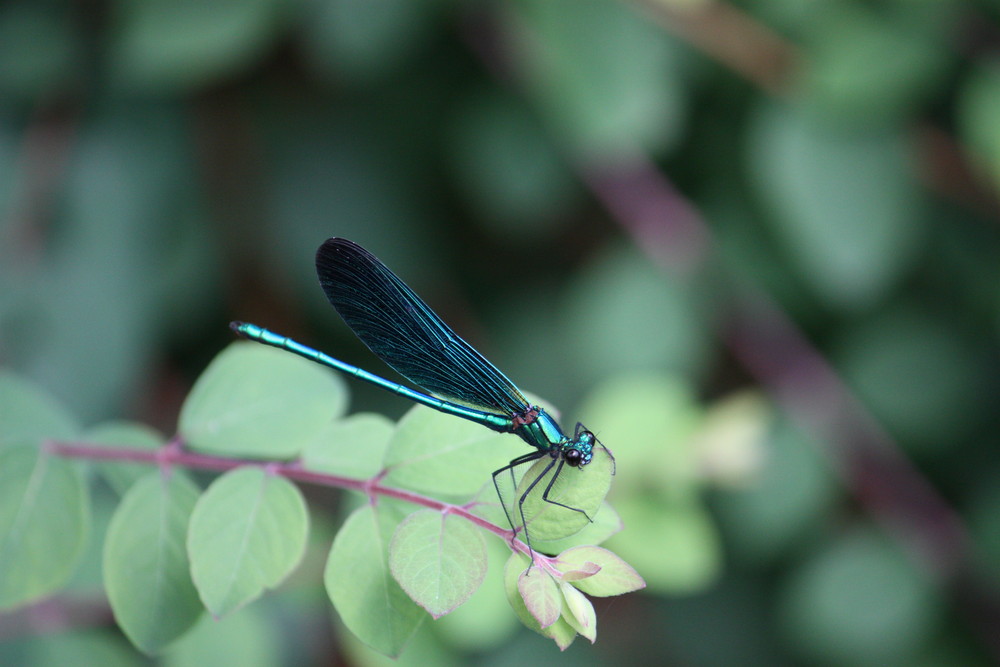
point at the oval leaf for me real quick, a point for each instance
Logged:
(825, 605)
(516, 564)
(262, 402)
(579, 493)
(146, 570)
(483, 622)
(163, 46)
(28, 414)
(248, 531)
(579, 612)
(581, 571)
(369, 601)
(605, 524)
(540, 593)
(438, 559)
(844, 202)
(44, 519)
(979, 105)
(637, 67)
(615, 576)
(432, 452)
(354, 446)
(355, 40)
(560, 631)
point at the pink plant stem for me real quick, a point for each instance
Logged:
(173, 454)
(775, 351)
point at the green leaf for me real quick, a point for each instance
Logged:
(579, 612)
(579, 491)
(860, 600)
(146, 570)
(94, 310)
(44, 505)
(161, 45)
(509, 168)
(370, 602)
(560, 631)
(658, 326)
(615, 576)
(44, 521)
(122, 475)
(484, 621)
(359, 40)
(257, 401)
(979, 107)
(844, 203)
(541, 595)
(784, 504)
(352, 447)
(918, 372)
(248, 531)
(627, 95)
(867, 68)
(579, 571)
(28, 414)
(605, 524)
(432, 452)
(439, 559)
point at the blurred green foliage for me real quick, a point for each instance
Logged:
(166, 167)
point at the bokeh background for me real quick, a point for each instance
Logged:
(753, 245)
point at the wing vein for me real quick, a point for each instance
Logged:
(406, 334)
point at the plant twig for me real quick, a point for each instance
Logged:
(891, 488)
(174, 454)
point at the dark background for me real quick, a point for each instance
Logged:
(628, 207)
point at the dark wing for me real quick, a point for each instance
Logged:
(405, 333)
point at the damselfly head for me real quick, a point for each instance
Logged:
(580, 450)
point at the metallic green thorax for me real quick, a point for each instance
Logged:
(403, 331)
(454, 378)
(543, 432)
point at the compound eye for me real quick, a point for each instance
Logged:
(573, 457)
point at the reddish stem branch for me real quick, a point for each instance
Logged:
(173, 454)
(771, 347)
(776, 352)
(662, 222)
(56, 615)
